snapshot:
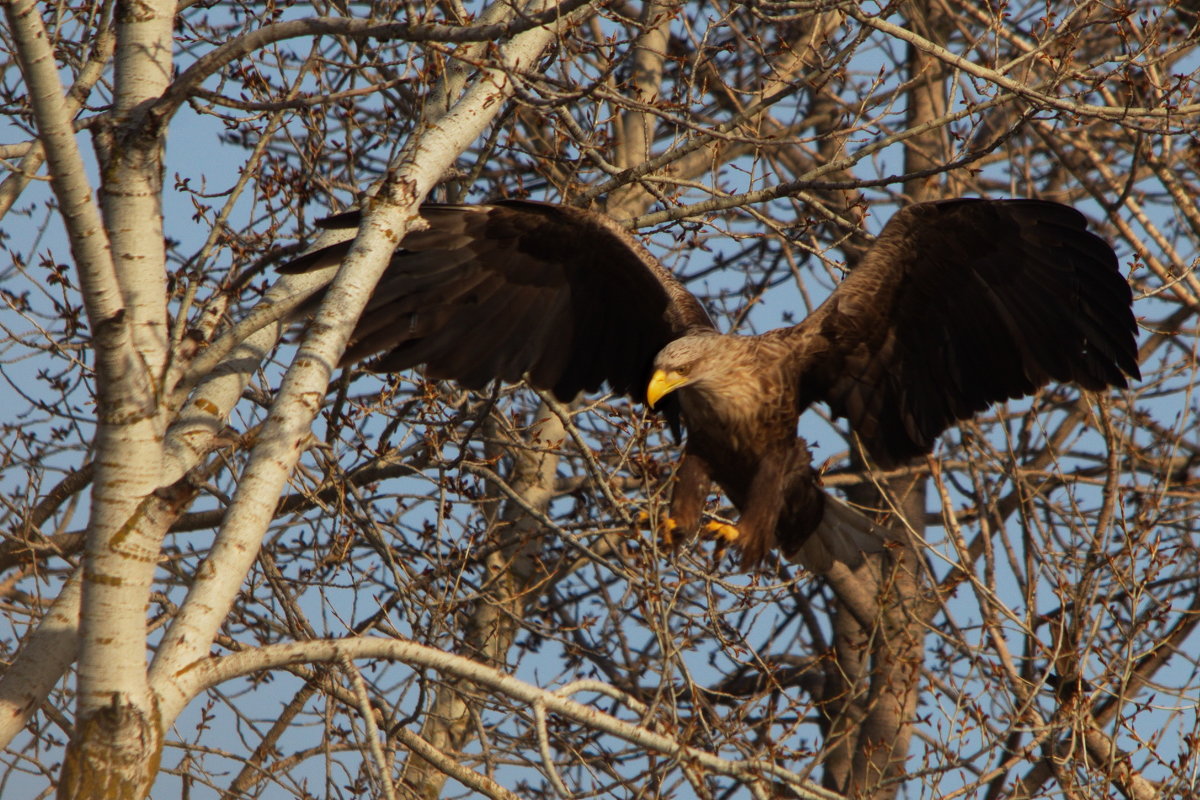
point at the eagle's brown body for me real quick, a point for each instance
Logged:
(742, 434)
(959, 304)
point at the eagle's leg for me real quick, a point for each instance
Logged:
(765, 501)
(692, 484)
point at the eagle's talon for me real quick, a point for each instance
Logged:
(722, 533)
(666, 527)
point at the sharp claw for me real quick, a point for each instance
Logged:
(721, 532)
(666, 530)
(666, 527)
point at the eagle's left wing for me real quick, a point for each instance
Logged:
(960, 304)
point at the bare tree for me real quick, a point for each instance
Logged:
(232, 570)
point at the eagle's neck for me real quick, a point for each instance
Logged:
(742, 393)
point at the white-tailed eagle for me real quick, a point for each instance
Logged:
(957, 305)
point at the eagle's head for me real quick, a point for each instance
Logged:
(693, 360)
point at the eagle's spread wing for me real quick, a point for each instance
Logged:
(960, 304)
(519, 288)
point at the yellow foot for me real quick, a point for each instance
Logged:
(721, 532)
(666, 528)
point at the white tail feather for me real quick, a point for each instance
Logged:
(843, 535)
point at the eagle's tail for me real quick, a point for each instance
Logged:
(844, 534)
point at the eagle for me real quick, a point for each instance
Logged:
(958, 304)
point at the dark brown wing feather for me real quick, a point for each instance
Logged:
(961, 304)
(518, 288)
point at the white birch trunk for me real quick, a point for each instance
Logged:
(116, 743)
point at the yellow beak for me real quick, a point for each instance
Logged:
(663, 383)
